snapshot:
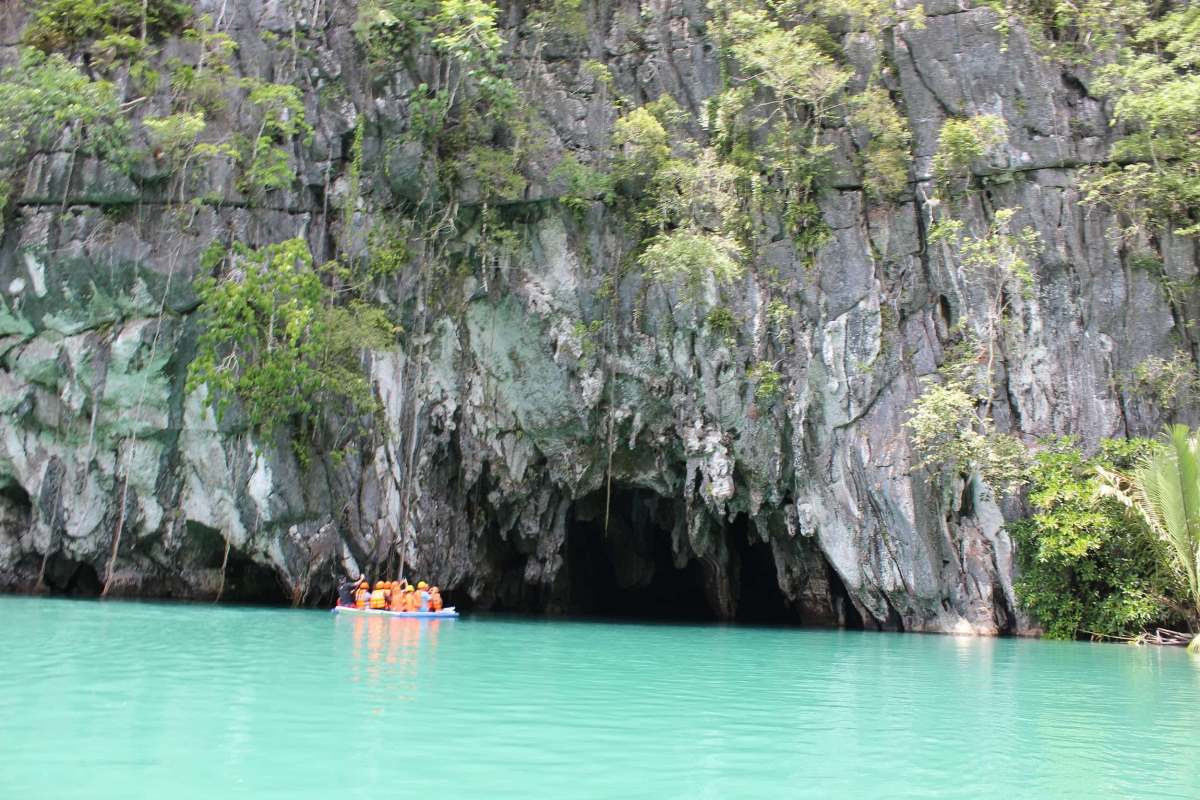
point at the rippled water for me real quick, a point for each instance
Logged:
(145, 700)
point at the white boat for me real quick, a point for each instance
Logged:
(446, 613)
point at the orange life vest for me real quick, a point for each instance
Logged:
(410, 601)
(435, 601)
(379, 598)
(397, 601)
(361, 597)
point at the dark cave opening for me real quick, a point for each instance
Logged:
(203, 546)
(65, 576)
(759, 599)
(628, 570)
(247, 581)
(18, 500)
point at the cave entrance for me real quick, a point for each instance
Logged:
(65, 576)
(759, 598)
(629, 570)
(245, 580)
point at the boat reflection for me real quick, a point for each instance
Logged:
(393, 651)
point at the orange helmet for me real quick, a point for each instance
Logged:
(380, 585)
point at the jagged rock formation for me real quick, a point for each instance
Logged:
(496, 417)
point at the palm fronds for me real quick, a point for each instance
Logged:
(1164, 490)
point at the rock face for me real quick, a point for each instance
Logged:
(548, 471)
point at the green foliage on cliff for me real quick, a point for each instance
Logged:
(784, 86)
(962, 142)
(47, 101)
(1171, 382)
(682, 198)
(643, 142)
(950, 423)
(951, 428)
(566, 18)
(67, 25)
(466, 109)
(787, 52)
(272, 117)
(707, 200)
(264, 156)
(202, 78)
(886, 160)
(1086, 566)
(1154, 83)
(995, 264)
(1163, 490)
(175, 135)
(691, 258)
(767, 381)
(582, 184)
(275, 338)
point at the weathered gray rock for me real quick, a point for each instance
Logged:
(498, 417)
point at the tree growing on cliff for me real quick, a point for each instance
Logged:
(950, 428)
(465, 108)
(69, 25)
(275, 339)
(47, 103)
(961, 143)
(1153, 177)
(950, 423)
(682, 199)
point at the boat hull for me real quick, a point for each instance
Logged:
(445, 613)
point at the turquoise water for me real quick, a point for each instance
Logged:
(136, 700)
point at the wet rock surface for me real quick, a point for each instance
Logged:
(536, 471)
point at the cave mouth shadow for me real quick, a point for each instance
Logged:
(760, 600)
(629, 571)
(246, 582)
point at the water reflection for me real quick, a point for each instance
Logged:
(393, 652)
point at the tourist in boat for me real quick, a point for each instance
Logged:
(380, 597)
(396, 601)
(410, 599)
(362, 595)
(346, 589)
(435, 599)
(422, 594)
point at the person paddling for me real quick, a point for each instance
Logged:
(345, 590)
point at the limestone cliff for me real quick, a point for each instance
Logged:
(549, 460)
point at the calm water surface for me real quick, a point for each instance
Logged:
(136, 700)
